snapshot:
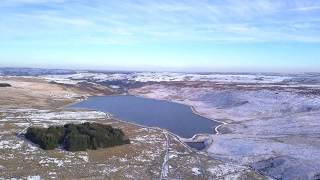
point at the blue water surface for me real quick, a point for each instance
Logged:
(177, 118)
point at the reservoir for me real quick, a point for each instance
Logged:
(176, 118)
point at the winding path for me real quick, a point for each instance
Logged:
(165, 164)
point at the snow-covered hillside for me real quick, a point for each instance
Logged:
(275, 131)
(271, 120)
(175, 77)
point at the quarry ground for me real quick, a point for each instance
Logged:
(152, 154)
(271, 127)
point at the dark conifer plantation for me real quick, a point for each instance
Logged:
(77, 137)
(5, 85)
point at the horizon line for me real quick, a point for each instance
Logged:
(157, 71)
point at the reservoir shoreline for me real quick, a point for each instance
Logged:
(196, 138)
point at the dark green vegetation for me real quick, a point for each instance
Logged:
(5, 85)
(77, 137)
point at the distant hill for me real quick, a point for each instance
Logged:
(33, 71)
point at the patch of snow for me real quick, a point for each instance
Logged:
(4, 120)
(32, 148)
(123, 159)
(114, 87)
(66, 115)
(22, 124)
(225, 169)
(33, 178)
(47, 161)
(108, 170)
(10, 144)
(172, 156)
(196, 171)
(85, 158)
(56, 79)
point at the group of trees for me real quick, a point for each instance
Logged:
(5, 85)
(77, 137)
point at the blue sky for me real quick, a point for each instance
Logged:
(168, 35)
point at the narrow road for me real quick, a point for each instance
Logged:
(25, 129)
(19, 134)
(165, 164)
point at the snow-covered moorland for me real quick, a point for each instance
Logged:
(176, 77)
(152, 154)
(271, 120)
(274, 129)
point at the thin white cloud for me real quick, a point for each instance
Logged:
(65, 20)
(172, 20)
(309, 8)
(31, 1)
(15, 3)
